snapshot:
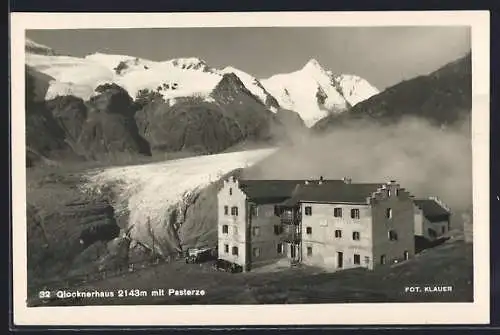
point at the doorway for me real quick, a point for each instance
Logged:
(340, 259)
(293, 251)
(406, 255)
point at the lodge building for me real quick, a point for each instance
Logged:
(334, 224)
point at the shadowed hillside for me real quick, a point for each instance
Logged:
(443, 97)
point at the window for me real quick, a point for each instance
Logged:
(355, 213)
(367, 260)
(355, 235)
(255, 231)
(278, 229)
(226, 248)
(234, 211)
(443, 229)
(393, 236)
(226, 210)
(388, 213)
(337, 212)
(382, 259)
(279, 248)
(308, 210)
(277, 211)
(225, 229)
(235, 251)
(357, 259)
(309, 251)
(253, 210)
(406, 255)
(389, 193)
(397, 192)
(235, 230)
(431, 232)
(338, 233)
(309, 230)
(230, 191)
(256, 252)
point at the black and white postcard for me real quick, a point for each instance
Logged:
(250, 168)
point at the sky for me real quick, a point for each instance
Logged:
(382, 55)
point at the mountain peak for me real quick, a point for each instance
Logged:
(312, 64)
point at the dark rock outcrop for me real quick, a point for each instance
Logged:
(70, 113)
(45, 139)
(66, 127)
(52, 251)
(195, 125)
(255, 121)
(110, 126)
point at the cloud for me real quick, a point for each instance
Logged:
(426, 160)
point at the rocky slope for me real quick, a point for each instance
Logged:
(110, 123)
(443, 97)
(196, 125)
(68, 128)
(45, 138)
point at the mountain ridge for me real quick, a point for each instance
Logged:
(442, 97)
(186, 77)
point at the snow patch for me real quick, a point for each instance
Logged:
(57, 88)
(355, 89)
(170, 81)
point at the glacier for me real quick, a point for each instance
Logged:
(149, 194)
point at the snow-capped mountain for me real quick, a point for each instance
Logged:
(37, 48)
(71, 75)
(312, 91)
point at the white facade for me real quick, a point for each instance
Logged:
(334, 236)
(329, 241)
(231, 225)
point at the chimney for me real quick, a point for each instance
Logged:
(320, 180)
(347, 180)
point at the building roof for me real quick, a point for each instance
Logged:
(335, 191)
(432, 210)
(290, 192)
(268, 191)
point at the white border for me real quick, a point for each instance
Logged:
(347, 314)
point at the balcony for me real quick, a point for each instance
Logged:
(292, 235)
(290, 219)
